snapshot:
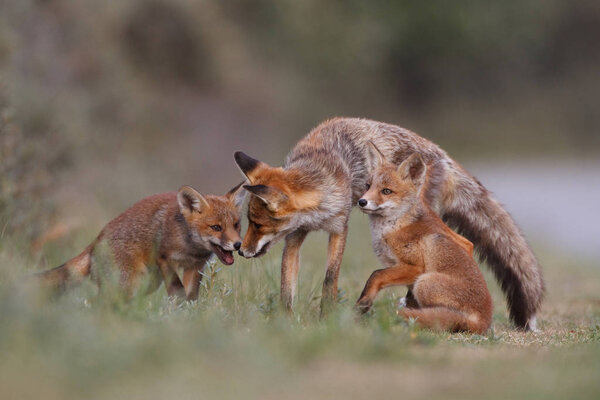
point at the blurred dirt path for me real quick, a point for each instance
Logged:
(556, 202)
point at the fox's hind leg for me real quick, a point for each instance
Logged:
(131, 277)
(335, 251)
(443, 306)
(443, 319)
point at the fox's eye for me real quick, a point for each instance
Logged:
(368, 186)
(236, 225)
(256, 226)
(216, 228)
(386, 191)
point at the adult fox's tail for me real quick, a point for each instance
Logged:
(73, 271)
(469, 208)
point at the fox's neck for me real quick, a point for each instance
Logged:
(320, 198)
(193, 244)
(421, 219)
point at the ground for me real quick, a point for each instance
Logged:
(233, 342)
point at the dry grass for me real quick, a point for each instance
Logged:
(234, 343)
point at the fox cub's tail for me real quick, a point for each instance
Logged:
(476, 215)
(73, 271)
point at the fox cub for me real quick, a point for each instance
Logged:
(160, 235)
(446, 288)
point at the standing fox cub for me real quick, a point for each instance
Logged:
(159, 235)
(418, 250)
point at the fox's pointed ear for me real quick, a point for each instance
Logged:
(248, 165)
(413, 169)
(190, 200)
(376, 154)
(272, 197)
(237, 195)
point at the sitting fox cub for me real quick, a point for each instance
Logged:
(159, 235)
(447, 289)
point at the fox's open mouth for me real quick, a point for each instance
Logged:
(226, 256)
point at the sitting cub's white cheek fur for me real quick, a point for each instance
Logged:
(386, 205)
(396, 210)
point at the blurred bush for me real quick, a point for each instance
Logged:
(29, 167)
(164, 91)
(308, 60)
(160, 40)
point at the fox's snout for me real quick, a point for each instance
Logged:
(367, 205)
(255, 248)
(230, 245)
(246, 253)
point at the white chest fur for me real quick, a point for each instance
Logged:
(379, 227)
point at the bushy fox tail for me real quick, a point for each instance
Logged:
(71, 272)
(468, 207)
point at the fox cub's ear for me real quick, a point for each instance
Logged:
(248, 165)
(376, 154)
(413, 169)
(190, 200)
(271, 196)
(237, 195)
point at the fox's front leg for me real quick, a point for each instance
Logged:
(335, 251)
(172, 282)
(191, 282)
(290, 265)
(404, 274)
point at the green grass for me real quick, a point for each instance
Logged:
(235, 343)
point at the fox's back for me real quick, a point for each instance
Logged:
(430, 243)
(135, 231)
(339, 147)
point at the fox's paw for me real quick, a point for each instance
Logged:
(364, 305)
(532, 325)
(402, 302)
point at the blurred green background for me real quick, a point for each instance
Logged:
(105, 102)
(119, 99)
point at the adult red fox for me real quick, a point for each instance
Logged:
(326, 173)
(159, 235)
(418, 250)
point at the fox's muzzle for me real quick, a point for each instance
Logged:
(257, 249)
(367, 205)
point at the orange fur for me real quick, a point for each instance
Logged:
(420, 251)
(325, 174)
(161, 235)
